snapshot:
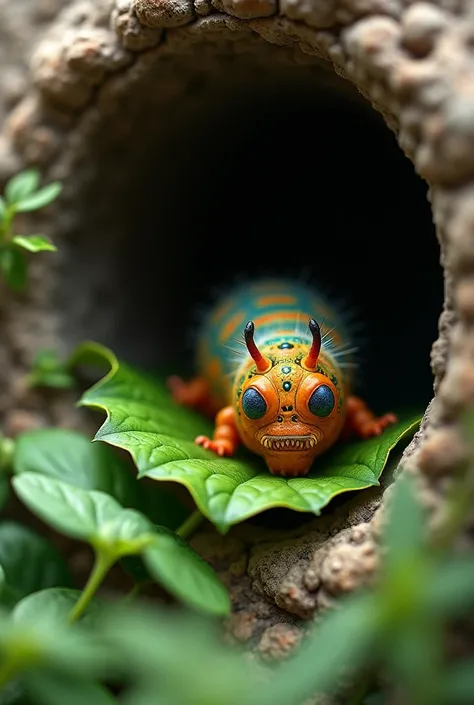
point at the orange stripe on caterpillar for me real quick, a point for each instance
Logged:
(230, 327)
(278, 316)
(221, 312)
(275, 300)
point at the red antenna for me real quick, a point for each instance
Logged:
(311, 358)
(263, 363)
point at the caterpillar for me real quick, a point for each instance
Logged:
(270, 367)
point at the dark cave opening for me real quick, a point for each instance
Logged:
(287, 172)
(312, 186)
(283, 170)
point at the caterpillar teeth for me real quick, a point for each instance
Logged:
(289, 442)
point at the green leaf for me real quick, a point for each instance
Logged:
(97, 518)
(57, 689)
(54, 605)
(29, 561)
(88, 515)
(159, 435)
(71, 457)
(185, 574)
(48, 370)
(13, 268)
(54, 380)
(48, 360)
(39, 199)
(34, 243)
(21, 185)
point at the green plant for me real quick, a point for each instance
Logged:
(159, 435)
(57, 646)
(48, 370)
(22, 194)
(80, 489)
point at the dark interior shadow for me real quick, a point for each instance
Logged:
(310, 187)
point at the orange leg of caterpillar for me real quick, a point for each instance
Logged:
(225, 439)
(194, 393)
(362, 422)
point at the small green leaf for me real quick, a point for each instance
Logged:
(54, 605)
(30, 562)
(98, 518)
(3, 210)
(48, 370)
(159, 435)
(53, 380)
(39, 199)
(48, 360)
(13, 268)
(34, 243)
(21, 185)
(91, 516)
(185, 574)
(57, 689)
(71, 457)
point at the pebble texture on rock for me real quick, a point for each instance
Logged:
(91, 61)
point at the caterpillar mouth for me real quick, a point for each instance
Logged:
(289, 442)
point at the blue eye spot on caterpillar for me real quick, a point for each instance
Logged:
(283, 389)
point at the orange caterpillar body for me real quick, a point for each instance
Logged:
(281, 389)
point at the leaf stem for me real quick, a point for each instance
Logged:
(190, 524)
(102, 564)
(6, 227)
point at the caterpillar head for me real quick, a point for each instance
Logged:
(288, 409)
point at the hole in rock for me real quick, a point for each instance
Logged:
(247, 175)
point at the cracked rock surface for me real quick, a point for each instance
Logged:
(83, 85)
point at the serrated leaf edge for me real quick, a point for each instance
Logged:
(223, 526)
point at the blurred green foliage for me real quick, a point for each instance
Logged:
(22, 194)
(372, 646)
